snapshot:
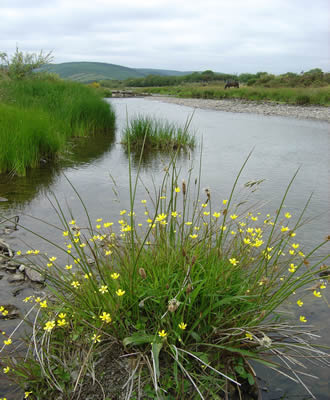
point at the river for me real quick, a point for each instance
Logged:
(280, 146)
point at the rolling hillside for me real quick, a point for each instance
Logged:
(94, 71)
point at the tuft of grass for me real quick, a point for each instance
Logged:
(187, 286)
(38, 116)
(155, 134)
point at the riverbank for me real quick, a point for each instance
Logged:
(243, 106)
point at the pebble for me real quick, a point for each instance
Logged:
(33, 275)
(320, 113)
(17, 277)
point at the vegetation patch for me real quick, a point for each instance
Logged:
(39, 113)
(182, 293)
(151, 133)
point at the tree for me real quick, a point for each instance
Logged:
(21, 65)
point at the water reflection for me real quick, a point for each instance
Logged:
(21, 190)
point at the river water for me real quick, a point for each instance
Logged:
(280, 146)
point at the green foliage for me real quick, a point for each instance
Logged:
(156, 134)
(38, 116)
(22, 65)
(317, 96)
(191, 298)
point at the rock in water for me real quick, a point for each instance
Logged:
(34, 275)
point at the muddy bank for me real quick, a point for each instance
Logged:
(243, 106)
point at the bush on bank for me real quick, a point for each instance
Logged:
(40, 114)
(181, 293)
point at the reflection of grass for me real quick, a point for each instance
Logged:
(189, 292)
(156, 134)
(299, 96)
(40, 115)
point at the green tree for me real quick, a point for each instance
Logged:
(21, 65)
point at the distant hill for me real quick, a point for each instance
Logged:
(94, 71)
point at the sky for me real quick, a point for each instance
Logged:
(232, 36)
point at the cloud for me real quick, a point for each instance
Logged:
(235, 36)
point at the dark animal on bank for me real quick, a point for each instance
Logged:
(232, 84)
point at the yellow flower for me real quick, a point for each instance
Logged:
(82, 245)
(224, 202)
(108, 252)
(77, 260)
(19, 252)
(288, 215)
(75, 284)
(43, 304)
(194, 236)
(98, 226)
(161, 217)
(52, 259)
(28, 298)
(233, 261)
(96, 338)
(322, 286)
(49, 265)
(36, 252)
(61, 322)
(99, 220)
(302, 319)
(38, 300)
(246, 240)
(122, 212)
(66, 233)
(295, 245)
(292, 268)
(223, 227)
(188, 223)
(174, 214)
(162, 333)
(204, 205)
(27, 394)
(62, 315)
(6, 370)
(254, 218)
(233, 216)
(317, 294)
(233, 233)
(103, 289)
(162, 197)
(182, 326)
(107, 224)
(177, 190)
(300, 303)
(284, 228)
(248, 336)
(216, 214)
(115, 275)
(7, 342)
(105, 317)
(291, 252)
(206, 213)
(120, 292)
(292, 234)
(143, 201)
(68, 266)
(72, 222)
(49, 326)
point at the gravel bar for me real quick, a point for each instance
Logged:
(320, 113)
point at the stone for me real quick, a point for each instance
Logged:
(34, 275)
(21, 268)
(17, 277)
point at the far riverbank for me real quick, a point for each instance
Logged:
(243, 106)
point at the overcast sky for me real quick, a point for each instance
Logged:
(231, 36)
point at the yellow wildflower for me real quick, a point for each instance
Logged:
(120, 292)
(174, 214)
(204, 205)
(49, 326)
(194, 236)
(43, 304)
(288, 215)
(162, 333)
(6, 370)
(62, 315)
(233, 216)
(105, 317)
(7, 342)
(61, 322)
(72, 222)
(98, 226)
(317, 294)
(248, 336)
(68, 266)
(224, 202)
(99, 220)
(19, 252)
(177, 190)
(66, 233)
(52, 259)
(302, 319)
(233, 261)
(103, 289)
(96, 338)
(300, 303)
(27, 394)
(206, 213)
(182, 326)
(284, 228)
(143, 201)
(216, 214)
(115, 275)
(122, 212)
(188, 223)
(75, 284)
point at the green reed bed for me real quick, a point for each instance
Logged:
(156, 134)
(39, 115)
(174, 298)
(297, 96)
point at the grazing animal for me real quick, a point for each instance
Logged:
(232, 84)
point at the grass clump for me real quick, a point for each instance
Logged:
(188, 291)
(155, 134)
(39, 115)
